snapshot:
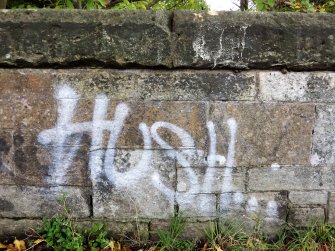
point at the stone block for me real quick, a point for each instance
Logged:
(267, 207)
(263, 133)
(291, 178)
(331, 208)
(297, 86)
(211, 179)
(200, 85)
(194, 230)
(298, 198)
(39, 202)
(231, 205)
(197, 206)
(26, 84)
(116, 85)
(17, 229)
(114, 39)
(253, 40)
(133, 231)
(306, 216)
(323, 137)
(44, 166)
(135, 186)
(175, 125)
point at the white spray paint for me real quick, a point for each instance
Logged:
(272, 210)
(252, 205)
(66, 137)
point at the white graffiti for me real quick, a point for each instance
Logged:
(66, 137)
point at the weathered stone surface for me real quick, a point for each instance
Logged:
(118, 38)
(119, 230)
(7, 168)
(38, 202)
(303, 217)
(27, 84)
(180, 124)
(254, 40)
(136, 188)
(17, 228)
(231, 205)
(331, 207)
(7, 120)
(198, 206)
(160, 85)
(196, 230)
(297, 86)
(267, 206)
(266, 132)
(308, 198)
(323, 136)
(291, 178)
(200, 85)
(192, 231)
(211, 179)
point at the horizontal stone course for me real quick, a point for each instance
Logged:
(189, 39)
(291, 178)
(37, 202)
(119, 38)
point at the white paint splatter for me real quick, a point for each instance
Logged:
(275, 167)
(315, 160)
(252, 205)
(272, 209)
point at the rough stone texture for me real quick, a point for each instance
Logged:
(136, 231)
(160, 85)
(254, 40)
(332, 207)
(10, 228)
(134, 191)
(291, 178)
(35, 202)
(200, 85)
(267, 133)
(117, 38)
(323, 136)
(303, 217)
(297, 86)
(308, 198)
(201, 206)
(210, 179)
(192, 231)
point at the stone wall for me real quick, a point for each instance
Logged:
(138, 115)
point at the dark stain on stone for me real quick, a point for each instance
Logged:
(5, 205)
(18, 140)
(20, 159)
(4, 147)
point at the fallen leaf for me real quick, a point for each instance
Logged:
(115, 246)
(20, 245)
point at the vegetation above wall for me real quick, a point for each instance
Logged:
(259, 5)
(296, 5)
(111, 4)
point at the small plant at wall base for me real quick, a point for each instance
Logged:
(171, 240)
